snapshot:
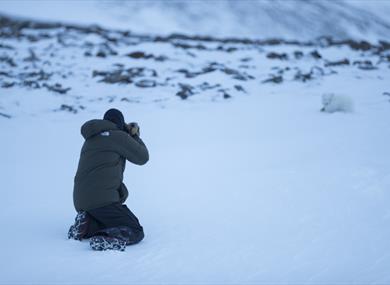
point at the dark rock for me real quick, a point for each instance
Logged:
(32, 84)
(300, 76)
(231, 49)
(111, 99)
(246, 59)
(87, 53)
(6, 47)
(141, 72)
(318, 71)
(207, 86)
(226, 49)
(191, 54)
(8, 60)
(314, 73)
(68, 108)
(8, 84)
(116, 77)
(41, 75)
(277, 69)
(124, 76)
(277, 79)
(188, 46)
(42, 25)
(280, 56)
(298, 54)
(225, 94)
(160, 58)
(364, 65)
(146, 83)
(358, 45)
(273, 42)
(244, 41)
(33, 38)
(383, 46)
(386, 93)
(355, 45)
(337, 63)
(101, 53)
(185, 91)
(56, 88)
(5, 115)
(315, 54)
(139, 54)
(192, 74)
(99, 73)
(142, 55)
(214, 67)
(235, 73)
(229, 71)
(124, 99)
(240, 88)
(88, 45)
(5, 74)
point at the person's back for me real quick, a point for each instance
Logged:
(102, 161)
(99, 191)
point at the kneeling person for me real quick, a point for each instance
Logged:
(99, 192)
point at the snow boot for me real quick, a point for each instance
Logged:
(101, 243)
(80, 227)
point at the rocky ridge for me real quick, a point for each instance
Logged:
(86, 64)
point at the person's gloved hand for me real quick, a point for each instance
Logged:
(133, 129)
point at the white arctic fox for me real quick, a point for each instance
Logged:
(336, 103)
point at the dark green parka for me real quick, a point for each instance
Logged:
(99, 178)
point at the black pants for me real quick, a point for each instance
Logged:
(115, 220)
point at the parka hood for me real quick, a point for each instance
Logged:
(94, 127)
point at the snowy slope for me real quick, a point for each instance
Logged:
(293, 19)
(83, 67)
(248, 181)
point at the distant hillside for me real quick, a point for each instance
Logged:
(293, 19)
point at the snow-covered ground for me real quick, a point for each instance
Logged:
(260, 189)
(259, 186)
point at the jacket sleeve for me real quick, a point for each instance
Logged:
(133, 149)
